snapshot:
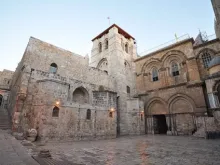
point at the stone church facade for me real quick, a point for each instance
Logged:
(66, 96)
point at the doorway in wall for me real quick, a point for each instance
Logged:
(160, 125)
(1, 100)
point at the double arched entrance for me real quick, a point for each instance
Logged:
(174, 116)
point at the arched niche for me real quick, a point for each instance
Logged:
(81, 96)
(103, 65)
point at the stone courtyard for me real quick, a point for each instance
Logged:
(138, 150)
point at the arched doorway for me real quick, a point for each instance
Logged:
(182, 120)
(1, 100)
(156, 118)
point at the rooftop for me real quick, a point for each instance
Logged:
(120, 31)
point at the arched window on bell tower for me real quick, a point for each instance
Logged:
(126, 47)
(100, 47)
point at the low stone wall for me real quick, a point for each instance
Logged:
(205, 124)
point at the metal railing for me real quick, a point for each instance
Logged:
(178, 39)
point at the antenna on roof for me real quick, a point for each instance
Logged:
(108, 20)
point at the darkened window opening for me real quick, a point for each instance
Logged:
(126, 47)
(100, 47)
(128, 89)
(88, 114)
(106, 44)
(53, 68)
(141, 117)
(111, 114)
(175, 69)
(155, 75)
(1, 99)
(55, 112)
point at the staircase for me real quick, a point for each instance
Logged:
(4, 119)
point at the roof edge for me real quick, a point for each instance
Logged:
(106, 31)
(165, 48)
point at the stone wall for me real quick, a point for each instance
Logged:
(5, 82)
(181, 53)
(119, 64)
(213, 48)
(40, 95)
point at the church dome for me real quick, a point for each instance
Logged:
(215, 61)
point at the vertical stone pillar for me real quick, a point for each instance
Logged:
(213, 100)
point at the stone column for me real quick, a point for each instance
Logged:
(213, 100)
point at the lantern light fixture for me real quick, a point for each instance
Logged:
(57, 103)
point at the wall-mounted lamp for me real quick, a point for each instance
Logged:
(57, 103)
(142, 112)
(112, 110)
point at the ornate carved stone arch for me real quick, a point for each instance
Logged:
(215, 87)
(150, 62)
(185, 104)
(211, 51)
(171, 56)
(156, 105)
(101, 62)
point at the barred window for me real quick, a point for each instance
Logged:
(175, 69)
(155, 74)
(206, 58)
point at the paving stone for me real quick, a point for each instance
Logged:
(139, 150)
(12, 152)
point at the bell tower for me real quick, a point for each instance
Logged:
(216, 7)
(114, 51)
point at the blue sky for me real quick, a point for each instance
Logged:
(71, 24)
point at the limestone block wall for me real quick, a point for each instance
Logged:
(179, 105)
(5, 78)
(37, 95)
(181, 53)
(135, 115)
(72, 122)
(119, 64)
(212, 47)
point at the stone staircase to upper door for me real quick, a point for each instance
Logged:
(4, 119)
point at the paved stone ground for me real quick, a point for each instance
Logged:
(12, 152)
(139, 150)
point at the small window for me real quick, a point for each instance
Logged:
(126, 47)
(53, 68)
(106, 44)
(100, 47)
(111, 114)
(128, 89)
(88, 114)
(142, 117)
(175, 69)
(122, 44)
(206, 58)
(55, 112)
(155, 74)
